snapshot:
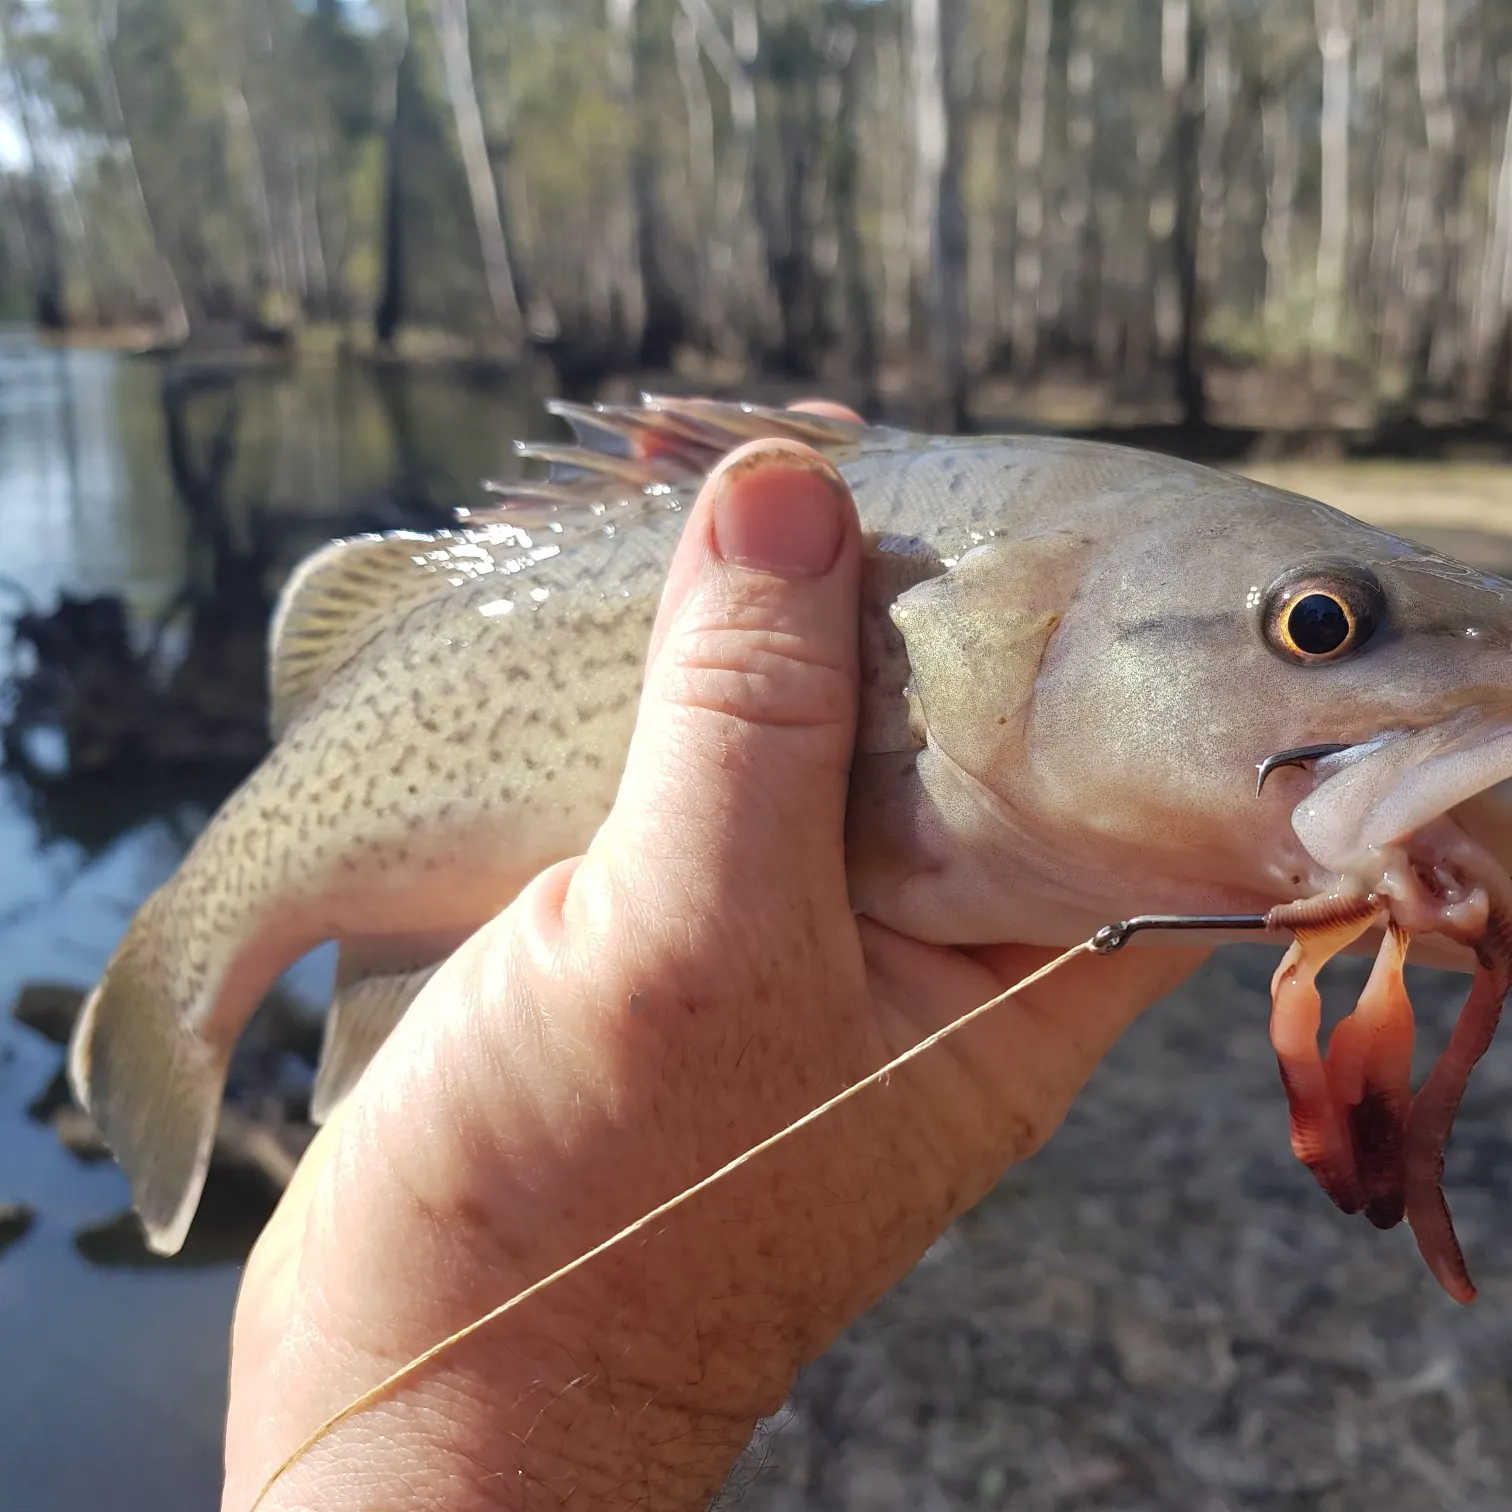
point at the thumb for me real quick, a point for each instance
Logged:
(738, 768)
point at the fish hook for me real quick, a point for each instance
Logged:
(1298, 756)
(1113, 937)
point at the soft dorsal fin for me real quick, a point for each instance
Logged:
(330, 607)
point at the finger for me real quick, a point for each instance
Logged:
(676, 582)
(739, 761)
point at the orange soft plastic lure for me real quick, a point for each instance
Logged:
(1373, 1145)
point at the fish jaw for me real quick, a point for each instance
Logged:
(937, 854)
(1378, 793)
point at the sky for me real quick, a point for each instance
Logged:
(12, 155)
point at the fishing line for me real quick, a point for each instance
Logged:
(1107, 940)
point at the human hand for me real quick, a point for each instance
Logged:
(637, 1018)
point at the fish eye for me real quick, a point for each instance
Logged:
(1322, 613)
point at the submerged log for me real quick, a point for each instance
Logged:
(88, 701)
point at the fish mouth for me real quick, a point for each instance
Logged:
(1422, 819)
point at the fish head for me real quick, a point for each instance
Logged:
(1111, 686)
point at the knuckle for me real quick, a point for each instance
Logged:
(759, 676)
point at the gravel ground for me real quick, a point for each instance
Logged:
(1163, 1313)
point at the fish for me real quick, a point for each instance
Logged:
(1075, 657)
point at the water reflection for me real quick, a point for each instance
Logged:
(81, 504)
(112, 1381)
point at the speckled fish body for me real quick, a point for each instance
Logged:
(1071, 672)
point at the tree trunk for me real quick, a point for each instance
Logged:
(861, 332)
(893, 192)
(699, 112)
(787, 181)
(389, 312)
(622, 218)
(1181, 67)
(935, 28)
(44, 250)
(1282, 166)
(1335, 20)
(1491, 324)
(654, 320)
(278, 267)
(1079, 210)
(175, 313)
(1029, 217)
(731, 62)
(1427, 270)
(453, 29)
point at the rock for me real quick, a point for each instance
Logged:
(15, 1219)
(49, 1008)
(75, 1129)
(237, 1202)
(271, 1146)
(78, 1135)
(283, 1026)
(253, 1160)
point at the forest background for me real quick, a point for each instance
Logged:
(1272, 210)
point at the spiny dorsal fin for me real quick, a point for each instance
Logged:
(637, 459)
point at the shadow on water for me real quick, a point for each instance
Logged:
(147, 517)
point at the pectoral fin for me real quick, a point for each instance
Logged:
(970, 644)
(890, 567)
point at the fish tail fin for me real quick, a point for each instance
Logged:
(151, 1083)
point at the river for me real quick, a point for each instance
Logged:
(112, 1378)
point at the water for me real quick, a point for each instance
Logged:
(112, 1380)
